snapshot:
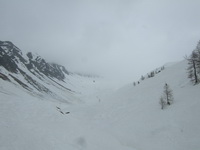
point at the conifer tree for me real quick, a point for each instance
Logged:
(167, 97)
(168, 94)
(193, 67)
(142, 77)
(198, 59)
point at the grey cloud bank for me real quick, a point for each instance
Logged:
(122, 38)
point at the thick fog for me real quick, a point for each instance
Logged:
(122, 39)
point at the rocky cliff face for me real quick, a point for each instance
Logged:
(11, 56)
(49, 69)
(30, 71)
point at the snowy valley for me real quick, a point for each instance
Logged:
(66, 111)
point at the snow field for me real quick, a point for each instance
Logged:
(103, 119)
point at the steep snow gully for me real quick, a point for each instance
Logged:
(100, 118)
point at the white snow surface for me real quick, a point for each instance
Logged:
(104, 118)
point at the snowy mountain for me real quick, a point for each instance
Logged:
(34, 74)
(40, 109)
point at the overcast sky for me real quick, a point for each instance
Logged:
(120, 38)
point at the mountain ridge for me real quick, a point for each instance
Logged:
(32, 72)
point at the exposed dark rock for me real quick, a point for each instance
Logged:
(11, 55)
(20, 82)
(51, 70)
(12, 59)
(4, 77)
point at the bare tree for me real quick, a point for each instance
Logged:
(198, 59)
(168, 94)
(193, 66)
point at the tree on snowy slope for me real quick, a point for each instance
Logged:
(167, 97)
(142, 78)
(168, 94)
(194, 65)
(198, 59)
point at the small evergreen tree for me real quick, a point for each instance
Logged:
(152, 74)
(142, 77)
(167, 97)
(168, 94)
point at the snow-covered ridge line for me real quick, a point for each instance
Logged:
(34, 74)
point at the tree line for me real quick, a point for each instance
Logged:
(149, 75)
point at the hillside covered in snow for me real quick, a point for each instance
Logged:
(34, 75)
(44, 111)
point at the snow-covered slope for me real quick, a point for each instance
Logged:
(135, 117)
(34, 75)
(127, 119)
